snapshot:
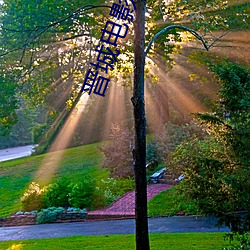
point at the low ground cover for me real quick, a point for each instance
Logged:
(170, 241)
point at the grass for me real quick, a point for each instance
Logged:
(16, 175)
(170, 241)
(169, 203)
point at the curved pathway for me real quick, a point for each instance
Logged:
(156, 225)
(125, 206)
(17, 152)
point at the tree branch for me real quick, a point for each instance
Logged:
(44, 28)
(76, 12)
(193, 32)
(218, 38)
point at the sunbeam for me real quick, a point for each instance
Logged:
(51, 161)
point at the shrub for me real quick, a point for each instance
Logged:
(109, 189)
(103, 194)
(73, 209)
(38, 131)
(81, 194)
(48, 215)
(243, 242)
(208, 179)
(152, 156)
(33, 197)
(57, 193)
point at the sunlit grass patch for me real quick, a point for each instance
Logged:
(170, 241)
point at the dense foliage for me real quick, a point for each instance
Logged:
(217, 168)
(48, 215)
(8, 105)
(32, 199)
(90, 193)
(49, 44)
(162, 143)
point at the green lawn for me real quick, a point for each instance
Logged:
(16, 175)
(172, 241)
(169, 202)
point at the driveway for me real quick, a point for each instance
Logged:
(14, 153)
(156, 225)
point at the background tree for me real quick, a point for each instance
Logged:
(118, 156)
(8, 105)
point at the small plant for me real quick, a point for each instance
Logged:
(243, 242)
(109, 189)
(73, 209)
(33, 197)
(76, 210)
(103, 195)
(48, 215)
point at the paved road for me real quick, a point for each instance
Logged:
(156, 225)
(14, 153)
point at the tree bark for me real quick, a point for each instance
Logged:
(139, 151)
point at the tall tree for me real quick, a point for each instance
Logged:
(139, 151)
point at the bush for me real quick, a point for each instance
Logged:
(38, 131)
(61, 193)
(57, 193)
(123, 185)
(48, 215)
(152, 155)
(88, 193)
(243, 242)
(208, 180)
(81, 194)
(103, 194)
(76, 210)
(33, 198)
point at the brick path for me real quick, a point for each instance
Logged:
(124, 207)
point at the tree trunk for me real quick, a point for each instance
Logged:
(139, 151)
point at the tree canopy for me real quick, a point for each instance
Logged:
(49, 43)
